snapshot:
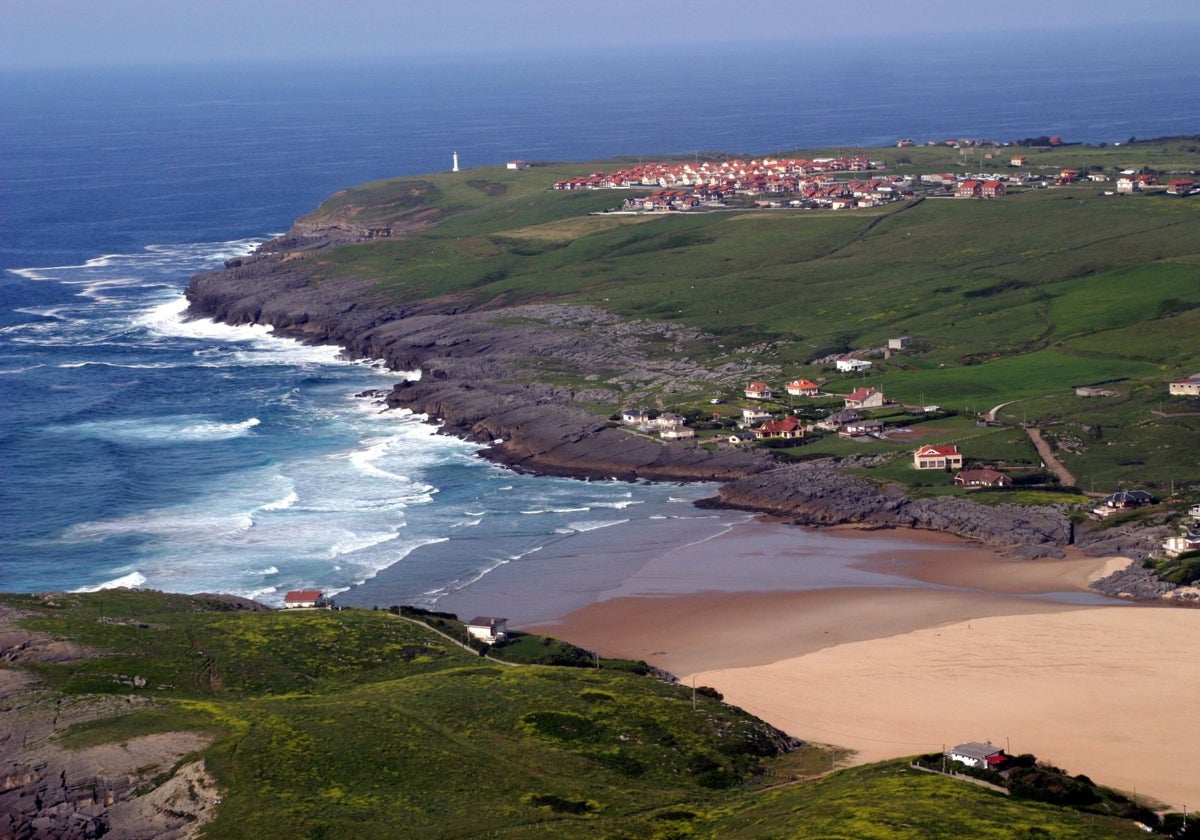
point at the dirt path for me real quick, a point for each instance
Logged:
(1043, 448)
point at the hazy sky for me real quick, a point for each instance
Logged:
(82, 32)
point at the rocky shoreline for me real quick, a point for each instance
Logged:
(483, 373)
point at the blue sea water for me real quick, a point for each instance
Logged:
(138, 448)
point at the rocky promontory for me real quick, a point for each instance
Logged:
(486, 374)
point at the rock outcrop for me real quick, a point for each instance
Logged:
(817, 493)
(483, 374)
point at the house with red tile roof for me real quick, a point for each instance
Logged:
(938, 458)
(969, 189)
(302, 598)
(992, 189)
(788, 428)
(759, 391)
(803, 388)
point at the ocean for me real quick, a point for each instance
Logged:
(139, 448)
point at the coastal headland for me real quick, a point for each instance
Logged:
(467, 286)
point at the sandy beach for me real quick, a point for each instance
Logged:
(907, 641)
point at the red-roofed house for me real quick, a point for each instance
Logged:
(786, 429)
(969, 189)
(864, 398)
(1181, 186)
(803, 388)
(937, 458)
(981, 478)
(299, 598)
(992, 189)
(759, 391)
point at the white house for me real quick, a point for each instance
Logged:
(899, 343)
(1189, 387)
(938, 458)
(677, 433)
(668, 420)
(975, 754)
(634, 417)
(851, 365)
(803, 388)
(488, 629)
(759, 391)
(517, 164)
(753, 416)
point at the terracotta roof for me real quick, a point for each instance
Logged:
(302, 595)
(938, 450)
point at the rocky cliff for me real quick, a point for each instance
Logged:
(483, 372)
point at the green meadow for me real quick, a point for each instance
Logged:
(362, 724)
(1013, 301)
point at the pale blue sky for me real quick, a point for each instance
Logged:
(85, 32)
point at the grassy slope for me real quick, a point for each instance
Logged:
(1011, 300)
(359, 724)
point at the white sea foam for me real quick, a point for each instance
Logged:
(284, 503)
(619, 505)
(270, 570)
(131, 580)
(591, 525)
(148, 366)
(349, 543)
(163, 429)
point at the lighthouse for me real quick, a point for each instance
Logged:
(454, 168)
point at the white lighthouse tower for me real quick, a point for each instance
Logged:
(454, 168)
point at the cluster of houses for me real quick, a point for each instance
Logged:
(760, 175)
(820, 182)
(1189, 536)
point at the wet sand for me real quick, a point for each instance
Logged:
(893, 643)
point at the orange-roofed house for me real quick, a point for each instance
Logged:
(803, 388)
(937, 458)
(969, 189)
(785, 429)
(992, 189)
(759, 391)
(300, 598)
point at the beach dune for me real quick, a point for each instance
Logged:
(919, 641)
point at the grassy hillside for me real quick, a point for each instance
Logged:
(1015, 300)
(361, 724)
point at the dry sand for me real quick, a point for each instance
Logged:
(940, 644)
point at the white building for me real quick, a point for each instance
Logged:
(488, 629)
(851, 365)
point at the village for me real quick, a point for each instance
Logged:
(823, 183)
(772, 417)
